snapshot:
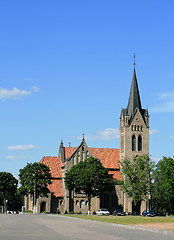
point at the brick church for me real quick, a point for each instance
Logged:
(134, 140)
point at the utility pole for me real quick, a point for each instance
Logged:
(34, 197)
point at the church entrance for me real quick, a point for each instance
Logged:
(43, 207)
(105, 201)
(136, 208)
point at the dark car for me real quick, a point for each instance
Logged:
(148, 214)
(119, 213)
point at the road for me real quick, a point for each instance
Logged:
(50, 227)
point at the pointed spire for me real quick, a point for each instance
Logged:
(134, 97)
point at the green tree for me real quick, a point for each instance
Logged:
(89, 177)
(163, 186)
(8, 188)
(35, 177)
(136, 173)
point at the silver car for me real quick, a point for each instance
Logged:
(102, 211)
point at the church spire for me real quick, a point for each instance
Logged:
(134, 97)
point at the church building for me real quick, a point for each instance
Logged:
(134, 140)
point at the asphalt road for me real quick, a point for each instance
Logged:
(50, 227)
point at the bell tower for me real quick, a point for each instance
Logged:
(134, 125)
(134, 134)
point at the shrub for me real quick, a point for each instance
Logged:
(71, 212)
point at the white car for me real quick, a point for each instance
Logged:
(102, 211)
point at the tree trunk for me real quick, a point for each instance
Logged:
(89, 203)
(5, 206)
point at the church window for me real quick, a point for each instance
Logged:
(138, 128)
(82, 203)
(86, 203)
(132, 127)
(139, 143)
(83, 149)
(133, 143)
(61, 202)
(135, 128)
(77, 203)
(141, 128)
(87, 154)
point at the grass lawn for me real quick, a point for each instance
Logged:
(126, 220)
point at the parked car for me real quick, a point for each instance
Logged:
(119, 213)
(148, 214)
(102, 211)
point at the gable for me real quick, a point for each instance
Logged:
(138, 119)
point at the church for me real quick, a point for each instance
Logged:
(134, 140)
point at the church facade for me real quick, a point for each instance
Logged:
(134, 140)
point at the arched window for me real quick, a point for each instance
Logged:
(139, 143)
(77, 203)
(133, 143)
(82, 203)
(43, 207)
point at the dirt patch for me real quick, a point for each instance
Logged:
(159, 226)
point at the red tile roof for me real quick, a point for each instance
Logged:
(69, 151)
(56, 187)
(109, 157)
(54, 164)
(116, 175)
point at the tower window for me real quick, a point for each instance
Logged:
(133, 143)
(139, 143)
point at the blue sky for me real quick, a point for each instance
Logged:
(66, 69)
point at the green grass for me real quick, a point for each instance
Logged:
(126, 220)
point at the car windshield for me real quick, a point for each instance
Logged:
(103, 209)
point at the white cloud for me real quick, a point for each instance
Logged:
(35, 89)
(153, 131)
(21, 147)
(156, 160)
(13, 93)
(167, 95)
(172, 138)
(10, 157)
(105, 135)
(168, 105)
(165, 107)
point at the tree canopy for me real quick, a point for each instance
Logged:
(136, 173)
(8, 187)
(89, 177)
(163, 186)
(37, 173)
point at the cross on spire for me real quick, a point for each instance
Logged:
(134, 60)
